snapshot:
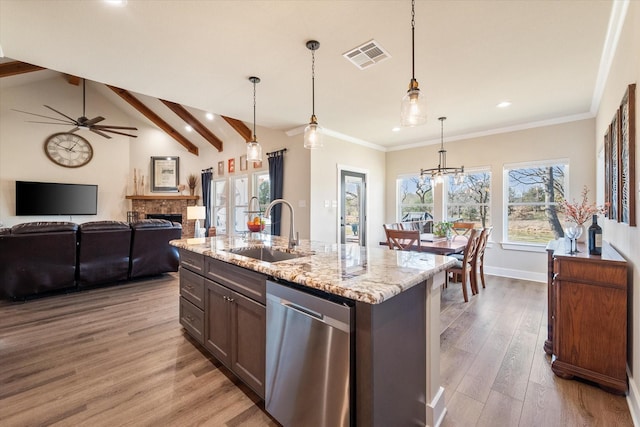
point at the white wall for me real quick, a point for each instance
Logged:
(624, 71)
(574, 140)
(22, 155)
(325, 180)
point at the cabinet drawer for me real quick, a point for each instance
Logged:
(192, 261)
(246, 282)
(192, 319)
(192, 288)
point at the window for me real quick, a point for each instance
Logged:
(470, 201)
(262, 189)
(219, 206)
(532, 194)
(240, 193)
(414, 198)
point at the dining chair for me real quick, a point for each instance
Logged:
(391, 226)
(404, 240)
(463, 268)
(463, 228)
(478, 261)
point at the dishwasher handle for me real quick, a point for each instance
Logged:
(313, 315)
(302, 310)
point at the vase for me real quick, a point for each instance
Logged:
(192, 191)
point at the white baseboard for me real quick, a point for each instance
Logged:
(516, 274)
(632, 400)
(436, 410)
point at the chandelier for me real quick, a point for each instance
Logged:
(436, 175)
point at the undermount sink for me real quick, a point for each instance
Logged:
(266, 254)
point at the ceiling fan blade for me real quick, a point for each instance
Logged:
(75, 129)
(115, 127)
(93, 121)
(119, 133)
(40, 115)
(99, 133)
(62, 114)
(48, 123)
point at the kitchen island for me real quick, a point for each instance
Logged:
(396, 301)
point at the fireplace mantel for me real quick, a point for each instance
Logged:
(163, 197)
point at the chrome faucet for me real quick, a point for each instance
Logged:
(267, 212)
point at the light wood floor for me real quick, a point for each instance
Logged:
(117, 356)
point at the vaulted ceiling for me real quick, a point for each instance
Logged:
(549, 58)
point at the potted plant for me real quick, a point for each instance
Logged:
(192, 181)
(442, 228)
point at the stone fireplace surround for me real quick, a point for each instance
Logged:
(166, 204)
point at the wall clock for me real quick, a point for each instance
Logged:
(68, 150)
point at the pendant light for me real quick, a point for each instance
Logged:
(413, 110)
(313, 131)
(438, 174)
(254, 150)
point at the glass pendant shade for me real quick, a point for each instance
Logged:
(254, 151)
(313, 135)
(413, 108)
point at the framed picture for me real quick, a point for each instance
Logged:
(220, 168)
(257, 165)
(619, 168)
(165, 171)
(243, 162)
(232, 165)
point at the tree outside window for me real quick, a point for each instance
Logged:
(415, 198)
(470, 200)
(533, 194)
(262, 190)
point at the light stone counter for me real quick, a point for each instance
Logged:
(371, 275)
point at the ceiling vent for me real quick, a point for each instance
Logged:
(366, 55)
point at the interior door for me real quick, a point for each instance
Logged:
(353, 218)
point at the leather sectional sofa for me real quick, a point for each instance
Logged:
(40, 257)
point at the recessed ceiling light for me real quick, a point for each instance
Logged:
(116, 2)
(396, 129)
(504, 104)
(188, 128)
(209, 116)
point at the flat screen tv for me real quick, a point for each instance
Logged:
(50, 198)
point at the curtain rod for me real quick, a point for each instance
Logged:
(275, 153)
(210, 169)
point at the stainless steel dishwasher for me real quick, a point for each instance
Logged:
(308, 362)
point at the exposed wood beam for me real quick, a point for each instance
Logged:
(146, 111)
(17, 67)
(240, 127)
(194, 123)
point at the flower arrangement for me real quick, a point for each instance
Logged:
(442, 228)
(583, 211)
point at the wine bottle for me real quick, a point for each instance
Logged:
(595, 237)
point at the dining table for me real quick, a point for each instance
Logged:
(440, 245)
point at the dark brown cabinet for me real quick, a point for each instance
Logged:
(588, 311)
(225, 311)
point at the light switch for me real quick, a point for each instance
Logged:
(334, 203)
(327, 203)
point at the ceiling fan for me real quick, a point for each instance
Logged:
(83, 122)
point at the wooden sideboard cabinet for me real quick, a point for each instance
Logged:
(588, 315)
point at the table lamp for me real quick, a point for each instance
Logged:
(197, 213)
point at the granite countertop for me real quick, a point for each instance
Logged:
(367, 274)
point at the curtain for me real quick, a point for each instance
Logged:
(276, 178)
(206, 197)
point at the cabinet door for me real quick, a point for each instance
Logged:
(217, 327)
(248, 323)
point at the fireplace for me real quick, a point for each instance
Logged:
(168, 217)
(165, 206)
